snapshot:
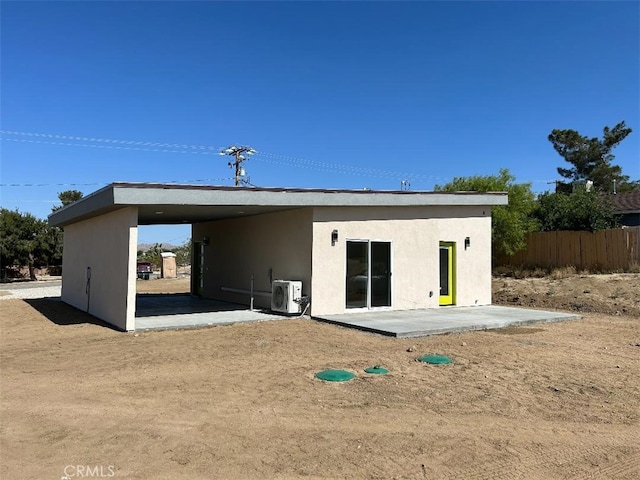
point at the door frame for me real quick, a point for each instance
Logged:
(450, 299)
(197, 268)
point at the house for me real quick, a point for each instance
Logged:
(352, 250)
(627, 207)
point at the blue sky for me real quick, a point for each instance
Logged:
(330, 94)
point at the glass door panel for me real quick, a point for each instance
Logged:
(357, 293)
(368, 274)
(380, 274)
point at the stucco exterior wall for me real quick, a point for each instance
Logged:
(415, 234)
(108, 245)
(269, 247)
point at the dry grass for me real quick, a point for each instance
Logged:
(521, 272)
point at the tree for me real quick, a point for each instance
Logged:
(67, 197)
(591, 158)
(582, 210)
(509, 223)
(183, 254)
(27, 241)
(630, 186)
(152, 254)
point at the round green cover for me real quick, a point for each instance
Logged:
(377, 370)
(335, 375)
(435, 359)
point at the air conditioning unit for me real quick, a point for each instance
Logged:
(284, 294)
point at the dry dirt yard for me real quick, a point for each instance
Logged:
(612, 294)
(545, 401)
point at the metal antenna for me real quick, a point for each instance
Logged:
(236, 152)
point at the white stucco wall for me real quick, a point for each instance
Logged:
(107, 244)
(415, 234)
(296, 245)
(270, 246)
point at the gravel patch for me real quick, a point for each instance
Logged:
(46, 291)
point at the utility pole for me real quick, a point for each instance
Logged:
(237, 152)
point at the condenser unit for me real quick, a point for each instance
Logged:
(286, 295)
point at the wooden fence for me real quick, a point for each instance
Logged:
(615, 249)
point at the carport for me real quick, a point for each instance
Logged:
(100, 250)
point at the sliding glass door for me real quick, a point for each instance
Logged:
(368, 274)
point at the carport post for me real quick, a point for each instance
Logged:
(251, 304)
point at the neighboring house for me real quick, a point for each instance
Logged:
(627, 206)
(353, 250)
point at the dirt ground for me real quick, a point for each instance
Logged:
(611, 294)
(547, 401)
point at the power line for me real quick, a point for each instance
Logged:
(50, 184)
(202, 180)
(288, 160)
(34, 201)
(113, 147)
(313, 163)
(350, 170)
(105, 143)
(107, 140)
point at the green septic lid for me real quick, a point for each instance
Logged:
(435, 359)
(335, 375)
(377, 370)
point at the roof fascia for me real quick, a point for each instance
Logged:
(96, 203)
(158, 195)
(118, 195)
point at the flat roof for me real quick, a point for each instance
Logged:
(160, 203)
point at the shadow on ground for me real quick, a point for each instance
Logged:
(156, 304)
(61, 313)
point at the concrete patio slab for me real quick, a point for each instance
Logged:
(167, 311)
(433, 321)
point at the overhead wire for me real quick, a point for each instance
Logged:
(105, 143)
(105, 140)
(50, 184)
(114, 147)
(345, 169)
(201, 180)
(180, 148)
